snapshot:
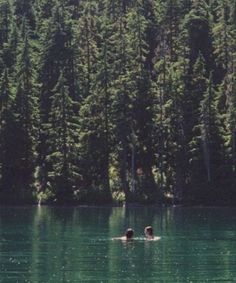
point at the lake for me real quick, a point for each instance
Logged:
(51, 244)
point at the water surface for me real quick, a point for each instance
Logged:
(48, 244)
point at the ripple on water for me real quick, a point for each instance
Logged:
(75, 245)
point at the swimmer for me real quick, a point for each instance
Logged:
(129, 233)
(148, 231)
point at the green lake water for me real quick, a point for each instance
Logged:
(50, 244)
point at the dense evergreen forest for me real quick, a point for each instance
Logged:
(105, 100)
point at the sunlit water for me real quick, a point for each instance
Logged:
(43, 244)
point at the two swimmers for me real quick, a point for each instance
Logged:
(129, 234)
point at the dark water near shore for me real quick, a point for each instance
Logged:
(48, 244)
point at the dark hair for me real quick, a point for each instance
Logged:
(129, 233)
(149, 230)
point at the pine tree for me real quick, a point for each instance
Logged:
(5, 22)
(63, 138)
(198, 88)
(232, 124)
(210, 133)
(118, 90)
(25, 111)
(222, 35)
(207, 146)
(57, 55)
(7, 144)
(143, 98)
(231, 91)
(176, 145)
(95, 113)
(102, 96)
(162, 96)
(5, 30)
(88, 51)
(93, 151)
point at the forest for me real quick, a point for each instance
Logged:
(107, 101)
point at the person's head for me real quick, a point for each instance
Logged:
(129, 233)
(148, 231)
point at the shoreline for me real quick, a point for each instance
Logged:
(129, 205)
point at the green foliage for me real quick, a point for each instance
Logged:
(63, 136)
(7, 136)
(130, 100)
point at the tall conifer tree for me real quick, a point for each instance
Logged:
(25, 136)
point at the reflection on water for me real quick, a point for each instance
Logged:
(43, 244)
